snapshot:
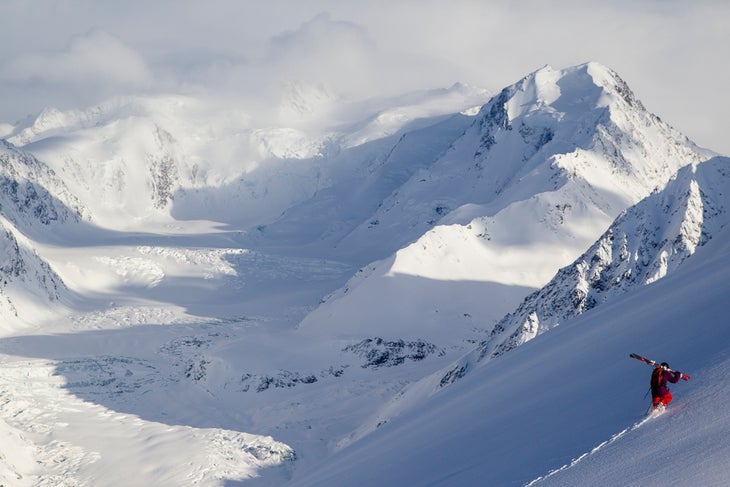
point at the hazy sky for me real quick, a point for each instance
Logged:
(674, 54)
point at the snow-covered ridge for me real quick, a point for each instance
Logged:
(32, 193)
(186, 158)
(452, 218)
(647, 242)
(562, 152)
(34, 201)
(29, 286)
(577, 389)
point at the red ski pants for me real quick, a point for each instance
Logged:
(665, 399)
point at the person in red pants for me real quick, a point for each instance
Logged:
(660, 395)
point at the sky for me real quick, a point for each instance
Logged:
(74, 53)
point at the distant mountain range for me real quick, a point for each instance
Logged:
(402, 250)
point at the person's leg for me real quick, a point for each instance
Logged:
(667, 398)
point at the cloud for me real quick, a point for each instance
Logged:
(93, 58)
(671, 52)
(92, 67)
(321, 47)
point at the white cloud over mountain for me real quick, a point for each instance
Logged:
(96, 58)
(304, 240)
(238, 50)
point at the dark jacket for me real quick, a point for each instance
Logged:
(659, 380)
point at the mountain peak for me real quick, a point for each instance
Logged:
(562, 152)
(569, 92)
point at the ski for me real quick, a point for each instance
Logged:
(657, 364)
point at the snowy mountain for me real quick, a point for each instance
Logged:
(282, 300)
(33, 201)
(647, 242)
(567, 408)
(562, 152)
(32, 194)
(177, 158)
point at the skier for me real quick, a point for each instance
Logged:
(660, 395)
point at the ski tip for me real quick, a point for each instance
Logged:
(656, 412)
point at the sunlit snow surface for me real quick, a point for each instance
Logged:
(213, 303)
(568, 407)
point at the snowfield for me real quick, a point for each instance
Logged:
(426, 294)
(568, 407)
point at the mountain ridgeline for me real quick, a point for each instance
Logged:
(536, 177)
(498, 200)
(648, 241)
(34, 202)
(341, 277)
(644, 244)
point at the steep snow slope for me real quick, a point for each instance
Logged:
(539, 174)
(366, 175)
(648, 241)
(158, 159)
(568, 406)
(33, 202)
(32, 194)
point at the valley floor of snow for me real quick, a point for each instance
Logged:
(148, 391)
(179, 363)
(568, 408)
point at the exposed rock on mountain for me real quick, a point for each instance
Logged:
(33, 201)
(645, 243)
(538, 175)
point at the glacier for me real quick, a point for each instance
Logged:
(414, 296)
